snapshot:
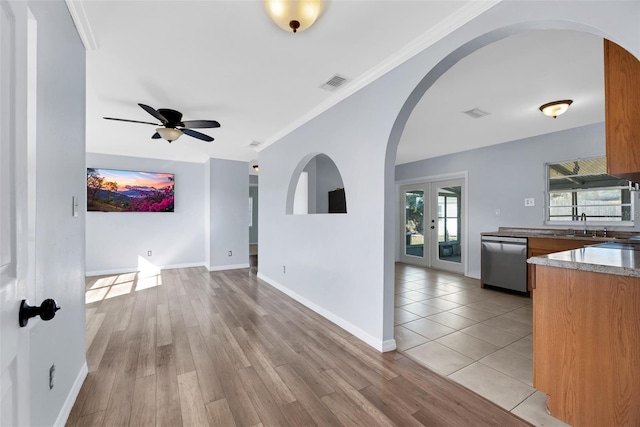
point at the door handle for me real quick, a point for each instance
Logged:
(46, 311)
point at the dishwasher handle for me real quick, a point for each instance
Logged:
(505, 239)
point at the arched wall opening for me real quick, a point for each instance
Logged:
(316, 187)
(429, 79)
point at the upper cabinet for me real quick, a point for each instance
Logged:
(622, 112)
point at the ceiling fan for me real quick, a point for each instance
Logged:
(173, 124)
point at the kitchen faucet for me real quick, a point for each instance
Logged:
(583, 217)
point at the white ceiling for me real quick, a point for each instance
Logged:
(510, 79)
(227, 61)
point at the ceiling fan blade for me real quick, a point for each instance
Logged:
(154, 113)
(200, 124)
(196, 134)
(132, 121)
(156, 136)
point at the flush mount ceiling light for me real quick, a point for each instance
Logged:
(170, 134)
(555, 108)
(294, 15)
(256, 168)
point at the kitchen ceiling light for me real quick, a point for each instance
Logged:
(170, 134)
(256, 168)
(294, 15)
(555, 108)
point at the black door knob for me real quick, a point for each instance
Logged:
(46, 311)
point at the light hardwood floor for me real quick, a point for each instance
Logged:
(194, 348)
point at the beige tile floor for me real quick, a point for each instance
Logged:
(478, 337)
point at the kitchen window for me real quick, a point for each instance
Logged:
(578, 187)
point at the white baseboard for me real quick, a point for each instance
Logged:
(474, 274)
(135, 270)
(381, 346)
(63, 415)
(228, 267)
(107, 272)
(187, 265)
(388, 345)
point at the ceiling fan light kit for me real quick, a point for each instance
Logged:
(555, 108)
(173, 125)
(294, 15)
(170, 134)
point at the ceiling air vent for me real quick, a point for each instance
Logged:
(334, 82)
(476, 113)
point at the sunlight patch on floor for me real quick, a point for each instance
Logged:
(122, 284)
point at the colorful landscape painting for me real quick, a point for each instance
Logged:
(110, 190)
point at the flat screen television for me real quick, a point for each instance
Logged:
(112, 190)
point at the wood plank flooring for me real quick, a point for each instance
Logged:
(194, 348)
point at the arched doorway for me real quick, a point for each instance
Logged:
(435, 73)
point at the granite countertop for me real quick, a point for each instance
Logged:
(617, 261)
(566, 234)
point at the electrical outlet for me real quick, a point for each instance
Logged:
(148, 253)
(52, 376)
(230, 253)
(530, 202)
(284, 269)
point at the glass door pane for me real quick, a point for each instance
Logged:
(449, 223)
(414, 223)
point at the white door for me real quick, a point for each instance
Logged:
(447, 225)
(14, 276)
(432, 224)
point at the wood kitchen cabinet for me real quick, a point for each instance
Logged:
(586, 346)
(622, 112)
(545, 246)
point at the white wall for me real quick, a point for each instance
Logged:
(59, 236)
(501, 176)
(117, 240)
(333, 263)
(343, 265)
(229, 214)
(253, 230)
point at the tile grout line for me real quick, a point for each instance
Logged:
(488, 300)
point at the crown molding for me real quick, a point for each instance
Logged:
(79, 16)
(464, 15)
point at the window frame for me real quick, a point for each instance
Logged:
(547, 201)
(446, 217)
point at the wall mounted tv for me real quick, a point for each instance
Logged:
(111, 190)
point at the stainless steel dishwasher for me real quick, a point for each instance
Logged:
(504, 262)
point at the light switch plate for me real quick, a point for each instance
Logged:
(530, 202)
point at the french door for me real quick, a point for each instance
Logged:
(432, 224)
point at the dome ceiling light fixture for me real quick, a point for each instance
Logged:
(170, 134)
(555, 108)
(294, 15)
